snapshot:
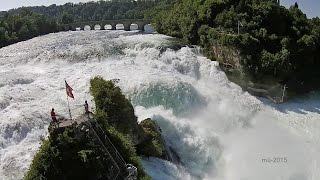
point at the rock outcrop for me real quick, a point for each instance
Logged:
(99, 145)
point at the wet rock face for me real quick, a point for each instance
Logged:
(230, 61)
(154, 144)
(227, 56)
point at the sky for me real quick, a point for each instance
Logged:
(310, 7)
(9, 4)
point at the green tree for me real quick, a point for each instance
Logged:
(66, 18)
(273, 42)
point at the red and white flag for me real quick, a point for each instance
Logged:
(69, 90)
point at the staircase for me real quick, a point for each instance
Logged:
(110, 148)
(117, 167)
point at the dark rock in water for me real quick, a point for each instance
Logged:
(267, 88)
(155, 145)
(174, 156)
(174, 47)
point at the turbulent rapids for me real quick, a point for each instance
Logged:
(219, 131)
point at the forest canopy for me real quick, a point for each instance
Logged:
(273, 41)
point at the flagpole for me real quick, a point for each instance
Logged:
(69, 108)
(68, 102)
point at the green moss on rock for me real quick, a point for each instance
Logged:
(154, 144)
(118, 110)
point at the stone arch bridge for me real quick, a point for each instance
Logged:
(111, 24)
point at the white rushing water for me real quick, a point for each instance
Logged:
(219, 131)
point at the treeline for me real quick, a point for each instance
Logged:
(27, 22)
(94, 11)
(274, 41)
(23, 26)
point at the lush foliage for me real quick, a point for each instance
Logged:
(69, 155)
(126, 148)
(274, 41)
(73, 154)
(114, 110)
(23, 26)
(110, 101)
(94, 11)
(116, 115)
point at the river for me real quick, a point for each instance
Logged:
(219, 131)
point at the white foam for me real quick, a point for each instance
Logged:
(219, 131)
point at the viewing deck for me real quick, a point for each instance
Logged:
(78, 120)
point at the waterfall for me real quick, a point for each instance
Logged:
(219, 131)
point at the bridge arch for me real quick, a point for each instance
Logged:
(108, 27)
(133, 27)
(87, 28)
(120, 26)
(141, 25)
(97, 27)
